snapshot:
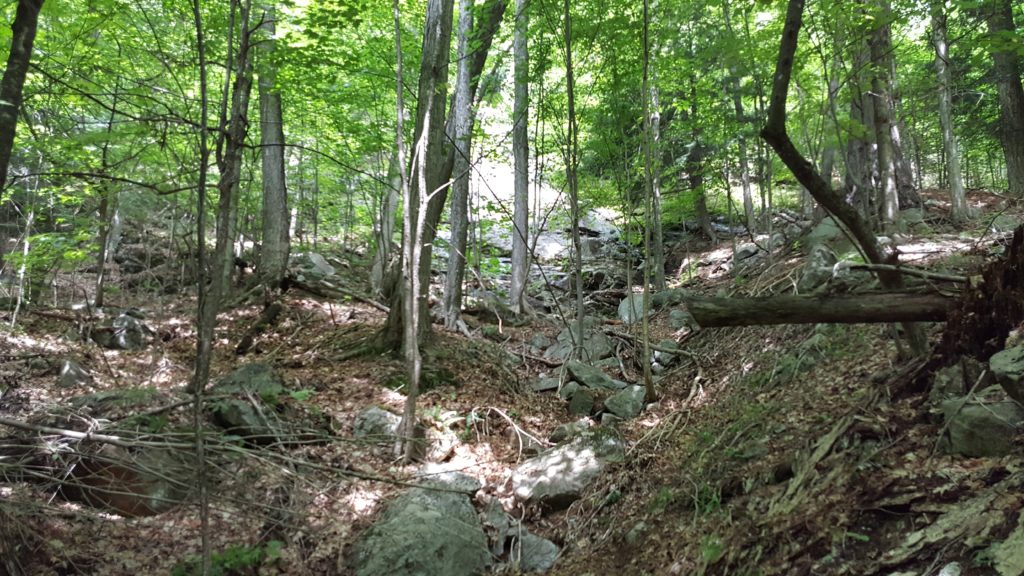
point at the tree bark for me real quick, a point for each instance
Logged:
(459, 217)
(23, 34)
(959, 210)
(1007, 68)
(844, 309)
(888, 198)
(521, 155)
(275, 246)
(774, 132)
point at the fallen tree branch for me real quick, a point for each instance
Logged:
(844, 309)
(907, 271)
(328, 290)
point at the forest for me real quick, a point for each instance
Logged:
(439, 287)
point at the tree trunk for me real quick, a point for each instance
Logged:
(521, 155)
(23, 34)
(888, 199)
(571, 164)
(860, 154)
(1007, 68)
(774, 132)
(959, 211)
(427, 183)
(275, 246)
(385, 229)
(461, 171)
(842, 309)
(108, 208)
(442, 167)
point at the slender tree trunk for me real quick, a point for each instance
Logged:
(860, 152)
(1007, 68)
(649, 153)
(108, 208)
(695, 165)
(461, 172)
(23, 34)
(275, 247)
(959, 211)
(521, 155)
(384, 237)
(571, 164)
(888, 199)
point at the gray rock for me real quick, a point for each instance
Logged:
(256, 379)
(666, 358)
(817, 269)
(73, 375)
(581, 403)
(544, 385)
(310, 266)
(668, 298)
(377, 425)
(679, 319)
(591, 248)
(557, 477)
(609, 419)
(540, 341)
(1008, 368)
(444, 476)
(422, 533)
(569, 431)
(568, 390)
(976, 429)
(631, 309)
(592, 377)
(111, 402)
(534, 554)
(1005, 223)
(828, 233)
(123, 332)
(744, 251)
(254, 423)
(596, 345)
(627, 403)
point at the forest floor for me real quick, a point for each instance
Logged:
(771, 450)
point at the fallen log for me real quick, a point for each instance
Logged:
(837, 309)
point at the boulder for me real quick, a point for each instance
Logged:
(631, 309)
(581, 403)
(817, 268)
(679, 319)
(252, 414)
(426, 532)
(112, 403)
(377, 425)
(533, 553)
(309, 267)
(568, 390)
(73, 375)
(256, 378)
(981, 428)
(666, 358)
(557, 477)
(1008, 368)
(569, 431)
(627, 403)
(827, 233)
(744, 251)
(544, 385)
(592, 377)
(124, 332)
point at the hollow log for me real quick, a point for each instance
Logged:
(836, 309)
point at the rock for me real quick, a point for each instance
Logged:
(744, 251)
(73, 375)
(977, 429)
(581, 403)
(441, 443)
(627, 403)
(951, 569)
(557, 477)
(544, 385)
(596, 345)
(636, 533)
(608, 419)
(569, 431)
(631, 309)
(424, 532)
(827, 233)
(817, 269)
(535, 554)
(591, 248)
(310, 267)
(592, 377)
(540, 341)
(668, 297)
(666, 358)
(568, 390)
(679, 319)
(1008, 368)
(955, 381)
(252, 414)
(497, 524)
(256, 379)
(1004, 223)
(123, 332)
(143, 482)
(444, 476)
(377, 425)
(109, 403)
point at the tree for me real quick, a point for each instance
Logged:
(23, 34)
(275, 246)
(888, 199)
(998, 15)
(521, 155)
(959, 211)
